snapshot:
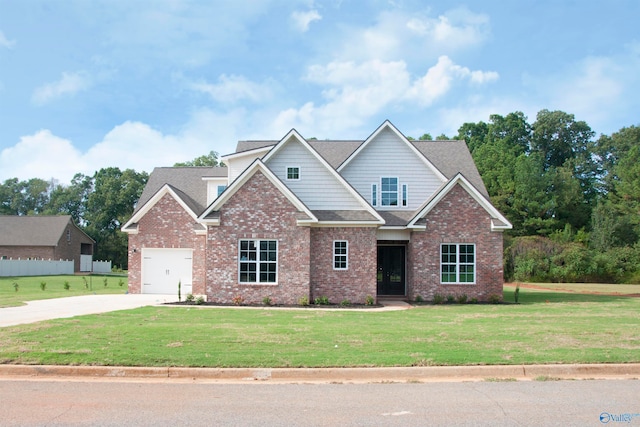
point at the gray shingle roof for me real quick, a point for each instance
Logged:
(32, 230)
(188, 183)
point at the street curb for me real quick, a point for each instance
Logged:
(333, 375)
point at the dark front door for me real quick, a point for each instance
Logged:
(391, 270)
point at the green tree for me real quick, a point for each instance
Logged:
(109, 206)
(210, 159)
(71, 199)
(24, 197)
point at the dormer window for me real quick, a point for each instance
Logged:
(293, 173)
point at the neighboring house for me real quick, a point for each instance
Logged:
(306, 218)
(44, 238)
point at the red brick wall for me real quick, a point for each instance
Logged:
(26, 252)
(258, 210)
(167, 225)
(458, 218)
(70, 249)
(353, 284)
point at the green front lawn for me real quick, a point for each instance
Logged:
(29, 288)
(548, 327)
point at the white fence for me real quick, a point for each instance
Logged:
(32, 267)
(102, 267)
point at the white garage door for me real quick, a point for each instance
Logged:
(162, 269)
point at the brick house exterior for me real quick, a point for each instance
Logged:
(44, 238)
(346, 220)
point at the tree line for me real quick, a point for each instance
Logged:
(573, 199)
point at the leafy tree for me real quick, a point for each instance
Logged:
(109, 206)
(24, 197)
(210, 159)
(72, 199)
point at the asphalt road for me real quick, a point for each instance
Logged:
(120, 402)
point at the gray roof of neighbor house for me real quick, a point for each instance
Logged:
(33, 230)
(449, 157)
(187, 182)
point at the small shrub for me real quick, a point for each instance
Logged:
(516, 293)
(66, 285)
(16, 286)
(105, 282)
(121, 283)
(345, 303)
(237, 300)
(200, 300)
(43, 285)
(303, 301)
(462, 299)
(179, 290)
(86, 284)
(267, 301)
(190, 298)
(419, 298)
(451, 299)
(369, 300)
(494, 299)
(438, 299)
(473, 300)
(321, 300)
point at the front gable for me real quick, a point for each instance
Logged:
(388, 154)
(166, 191)
(498, 221)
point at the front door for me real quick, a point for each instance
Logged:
(391, 270)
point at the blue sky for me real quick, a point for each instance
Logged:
(138, 84)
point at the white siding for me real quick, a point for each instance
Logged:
(317, 187)
(238, 164)
(212, 188)
(388, 156)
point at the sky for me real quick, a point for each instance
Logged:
(139, 83)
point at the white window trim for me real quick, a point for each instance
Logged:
(457, 264)
(287, 173)
(218, 192)
(398, 198)
(346, 255)
(257, 261)
(374, 194)
(404, 201)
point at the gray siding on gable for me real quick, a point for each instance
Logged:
(317, 187)
(388, 156)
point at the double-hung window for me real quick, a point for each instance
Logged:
(340, 255)
(389, 192)
(258, 261)
(457, 263)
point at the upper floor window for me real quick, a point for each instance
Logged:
(374, 194)
(293, 173)
(221, 189)
(389, 192)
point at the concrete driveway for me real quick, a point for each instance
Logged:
(36, 311)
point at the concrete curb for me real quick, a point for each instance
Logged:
(330, 375)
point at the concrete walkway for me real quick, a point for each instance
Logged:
(56, 308)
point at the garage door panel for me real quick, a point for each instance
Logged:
(162, 269)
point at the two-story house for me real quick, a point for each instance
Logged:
(295, 218)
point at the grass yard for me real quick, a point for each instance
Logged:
(547, 327)
(29, 288)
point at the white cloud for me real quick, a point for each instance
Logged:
(355, 92)
(301, 20)
(5, 42)
(230, 89)
(68, 84)
(398, 34)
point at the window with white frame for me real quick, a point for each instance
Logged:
(374, 194)
(405, 195)
(293, 173)
(389, 191)
(221, 189)
(258, 262)
(457, 263)
(340, 255)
